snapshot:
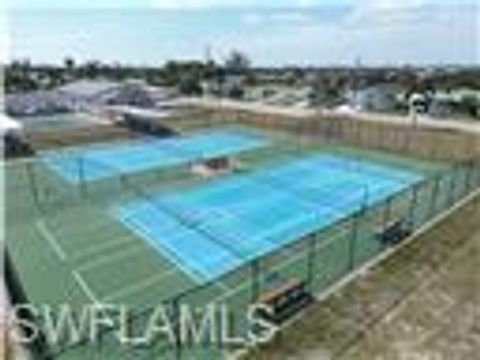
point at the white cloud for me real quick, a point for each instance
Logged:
(378, 31)
(392, 12)
(276, 18)
(442, 35)
(363, 4)
(204, 4)
(253, 19)
(392, 4)
(307, 3)
(291, 17)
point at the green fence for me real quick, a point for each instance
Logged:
(320, 259)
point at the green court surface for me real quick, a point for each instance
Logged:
(66, 247)
(45, 123)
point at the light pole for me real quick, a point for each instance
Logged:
(416, 102)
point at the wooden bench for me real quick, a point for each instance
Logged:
(285, 300)
(394, 232)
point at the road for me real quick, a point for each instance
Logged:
(423, 121)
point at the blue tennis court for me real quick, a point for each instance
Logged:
(98, 162)
(214, 228)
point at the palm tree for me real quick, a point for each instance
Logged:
(69, 65)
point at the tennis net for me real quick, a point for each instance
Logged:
(193, 221)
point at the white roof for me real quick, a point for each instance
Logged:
(87, 88)
(345, 109)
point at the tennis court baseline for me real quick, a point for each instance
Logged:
(97, 162)
(214, 228)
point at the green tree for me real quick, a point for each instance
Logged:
(237, 63)
(69, 65)
(18, 76)
(470, 106)
(190, 84)
(92, 69)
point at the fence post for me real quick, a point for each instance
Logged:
(466, 185)
(341, 131)
(324, 130)
(468, 177)
(398, 139)
(382, 133)
(451, 189)
(387, 212)
(329, 130)
(311, 261)
(353, 240)
(81, 176)
(475, 174)
(459, 190)
(357, 133)
(458, 187)
(433, 199)
(413, 206)
(298, 131)
(411, 136)
(255, 280)
(176, 327)
(33, 183)
(404, 139)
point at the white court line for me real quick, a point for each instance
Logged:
(108, 258)
(105, 245)
(170, 256)
(84, 286)
(138, 286)
(51, 240)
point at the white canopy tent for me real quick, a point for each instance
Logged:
(9, 126)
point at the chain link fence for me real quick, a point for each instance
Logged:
(319, 259)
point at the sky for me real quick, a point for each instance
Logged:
(277, 32)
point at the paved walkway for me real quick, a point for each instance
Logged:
(439, 321)
(451, 124)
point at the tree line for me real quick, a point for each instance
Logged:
(23, 75)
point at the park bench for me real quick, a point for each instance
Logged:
(393, 232)
(285, 301)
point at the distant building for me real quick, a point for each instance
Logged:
(89, 90)
(41, 103)
(85, 95)
(455, 103)
(105, 92)
(378, 98)
(231, 86)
